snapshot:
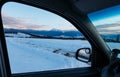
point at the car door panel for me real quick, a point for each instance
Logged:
(76, 72)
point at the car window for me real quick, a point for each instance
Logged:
(38, 40)
(107, 22)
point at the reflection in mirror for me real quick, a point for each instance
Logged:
(83, 54)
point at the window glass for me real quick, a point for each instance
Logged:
(107, 22)
(38, 40)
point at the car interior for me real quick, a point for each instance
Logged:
(104, 61)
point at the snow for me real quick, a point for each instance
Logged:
(113, 45)
(33, 54)
(19, 34)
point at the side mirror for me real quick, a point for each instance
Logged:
(115, 54)
(84, 55)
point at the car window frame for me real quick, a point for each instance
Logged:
(50, 36)
(70, 20)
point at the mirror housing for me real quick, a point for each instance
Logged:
(84, 55)
(115, 54)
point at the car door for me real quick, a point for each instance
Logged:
(7, 61)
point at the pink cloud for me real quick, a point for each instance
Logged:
(15, 23)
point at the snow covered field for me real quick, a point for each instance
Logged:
(32, 54)
(35, 54)
(113, 45)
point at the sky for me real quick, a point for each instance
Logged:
(20, 16)
(105, 16)
(107, 21)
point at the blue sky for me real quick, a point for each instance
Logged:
(107, 21)
(105, 16)
(105, 13)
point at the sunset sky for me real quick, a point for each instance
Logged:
(16, 15)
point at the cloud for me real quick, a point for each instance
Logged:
(113, 28)
(15, 23)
